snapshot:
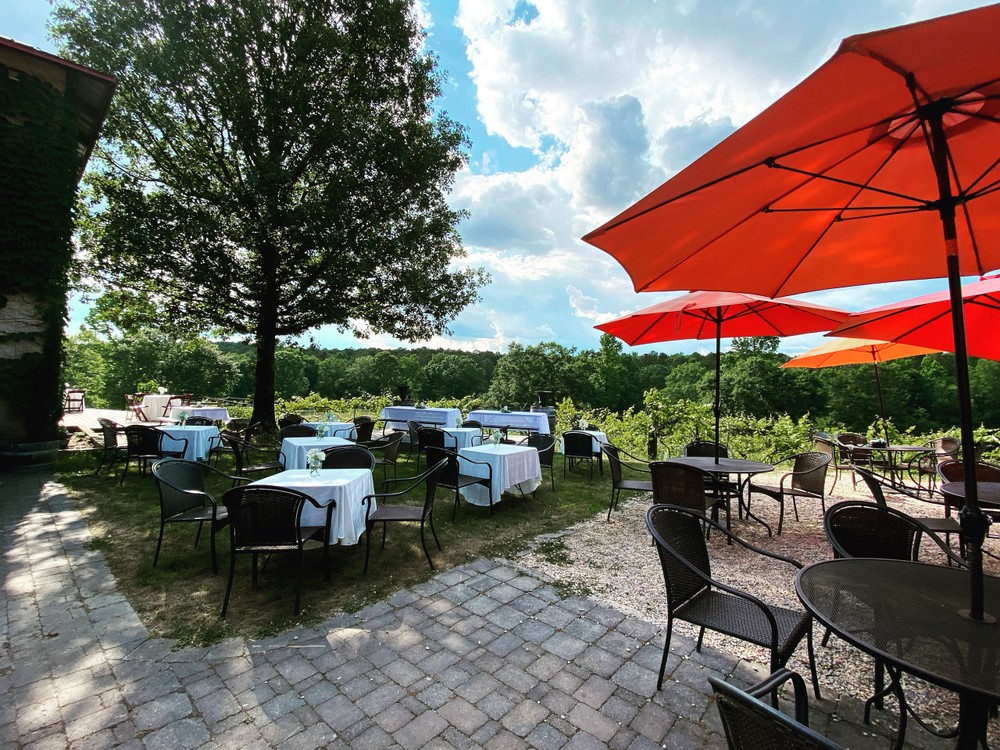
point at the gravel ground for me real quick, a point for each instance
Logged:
(614, 563)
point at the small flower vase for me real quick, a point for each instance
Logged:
(313, 470)
(496, 438)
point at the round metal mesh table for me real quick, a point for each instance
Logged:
(907, 614)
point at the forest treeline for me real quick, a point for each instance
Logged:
(919, 391)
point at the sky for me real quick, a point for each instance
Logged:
(577, 108)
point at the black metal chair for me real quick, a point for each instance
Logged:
(386, 451)
(679, 484)
(218, 448)
(198, 421)
(954, 471)
(452, 478)
(941, 525)
(825, 445)
(578, 448)
(546, 447)
(807, 479)
(267, 520)
(433, 437)
(695, 597)
(296, 430)
(922, 468)
(250, 458)
(388, 512)
(184, 499)
(618, 482)
(718, 486)
(853, 450)
(751, 724)
(289, 419)
(112, 451)
(348, 457)
(363, 429)
(144, 445)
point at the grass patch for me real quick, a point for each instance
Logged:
(555, 551)
(181, 599)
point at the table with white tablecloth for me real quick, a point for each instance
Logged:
(200, 439)
(462, 437)
(599, 439)
(346, 487)
(534, 421)
(337, 429)
(296, 449)
(215, 413)
(153, 405)
(514, 467)
(397, 416)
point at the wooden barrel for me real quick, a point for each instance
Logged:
(23, 456)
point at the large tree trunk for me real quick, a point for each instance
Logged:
(267, 344)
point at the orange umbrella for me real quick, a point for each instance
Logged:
(707, 315)
(855, 352)
(926, 320)
(845, 180)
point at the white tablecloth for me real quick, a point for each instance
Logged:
(462, 436)
(514, 466)
(346, 487)
(398, 416)
(336, 429)
(199, 439)
(217, 413)
(523, 420)
(295, 449)
(153, 405)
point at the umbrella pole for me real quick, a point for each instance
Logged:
(973, 521)
(881, 401)
(718, 374)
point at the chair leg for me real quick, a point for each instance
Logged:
(229, 586)
(156, 555)
(434, 532)
(612, 503)
(454, 510)
(197, 537)
(812, 661)
(424, 545)
(666, 651)
(368, 545)
(298, 581)
(215, 561)
(124, 471)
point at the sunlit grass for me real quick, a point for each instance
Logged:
(181, 599)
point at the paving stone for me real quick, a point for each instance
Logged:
(462, 715)
(162, 711)
(419, 732)
(394, 717)
(524, 717)
(565, 645)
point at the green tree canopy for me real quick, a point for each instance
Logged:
(271, 166)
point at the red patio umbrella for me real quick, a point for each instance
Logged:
(855, 351)
(926, 320)
(708, 315)
(845, 180)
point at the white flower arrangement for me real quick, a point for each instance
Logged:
(321, 431)
(315, 459)
(182, 417)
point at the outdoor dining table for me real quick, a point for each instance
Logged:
(200, 439)
(396, 417)
(296, 449)
(346, 487)
(462, 436)
(954, 495)
(909, 615)
(338, 429)
(893, 455)
(534, 421)
(216, 413)
(514, 467)
(153, 404)
(743, 469)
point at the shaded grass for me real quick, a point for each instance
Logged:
(181, 599)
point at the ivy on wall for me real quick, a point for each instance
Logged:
(39, 163)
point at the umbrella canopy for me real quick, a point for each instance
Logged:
(845, 180)
(855, 352)
(708, 315)
(926, 320)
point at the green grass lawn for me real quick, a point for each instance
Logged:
(181, 599)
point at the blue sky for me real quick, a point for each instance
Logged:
(575, 109)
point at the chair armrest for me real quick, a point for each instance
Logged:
(223, 474)
(776, 680)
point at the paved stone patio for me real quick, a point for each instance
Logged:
(479, 656)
